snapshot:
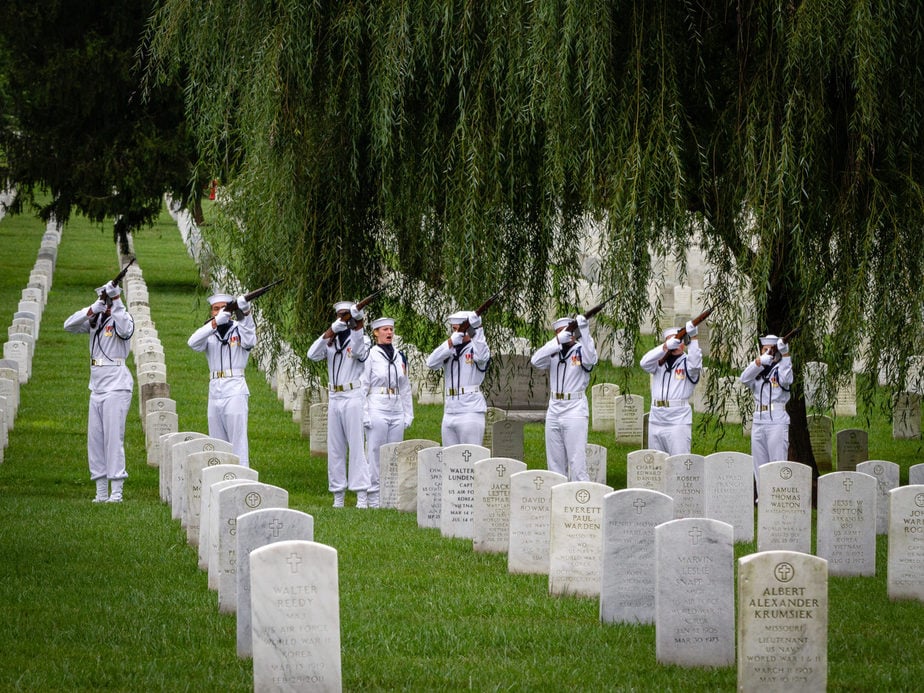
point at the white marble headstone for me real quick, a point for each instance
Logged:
(255, 529)
(195, 463)
(846, 522)
(167, 441)
(627, 591)
(784, 512)
(628, 417)
(317, 416)
(181, 451)
(576, 538)
(596, 462)
(906, 543)
(491, 512)
(210, 476)
(295, 607)
(695, 593)
(684, 481)
(429, 487)
(602, 403)
(730, 491)
(645, 469)
(233, 501)
(886, 474)
(530, 515)
(782, 622)
(458, 489)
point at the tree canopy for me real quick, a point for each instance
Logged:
(74, 120)
(465, 145)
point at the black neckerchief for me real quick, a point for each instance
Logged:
(223, 330)
(671, 359)
(389, 350)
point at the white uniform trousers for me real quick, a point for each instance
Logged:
(106, 434)
(345, 437)
(769, 443)
(463, 428)
(387, 427)
(566, 447)
(674, 439)
(228, 421)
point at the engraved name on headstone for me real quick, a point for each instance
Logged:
(491, 513)
(458, 489)
(782, 622)
(846, 523)
(784, 513)
(627, 580)
(628, 413)
(576, 538)
(530, 515)
(852, 448)
(906, 543)
(729, 497)
(886, 474)
(296, 617)
(429, 487)
(645, 469)
(694, 593)
(602, 406)
(821, 434)
(684, 479)
(596, 462)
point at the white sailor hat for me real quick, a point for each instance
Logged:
(769, 340)
(342, 305)
(220, 298)
(669, 332)
(382, 322)
(561, 322)
(459, 317)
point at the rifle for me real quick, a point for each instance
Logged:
(231, 306)
(572, 326)
(777, 356)
(682, 332)
(352, 322)
(481, 310)
(115, 282)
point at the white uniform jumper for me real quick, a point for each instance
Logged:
(345, 353)
(389, 408)
(566, 420)
(464, 405)
(670, 421)
(770, 430)
(110, 387)
(227, 349)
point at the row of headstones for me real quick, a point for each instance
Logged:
(23, 331)
(627, 547)
(260, 558)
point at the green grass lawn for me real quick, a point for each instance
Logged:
(109, 597)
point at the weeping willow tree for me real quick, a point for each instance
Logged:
(453, 147)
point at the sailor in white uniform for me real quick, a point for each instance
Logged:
(569, 358)
(345, 350)
(463, 358)
(389, 407)
(227, 344)
(769, 378)
(675, 372)
(110, 327)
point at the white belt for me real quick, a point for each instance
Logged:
(670, 403)
(346, 387)
(230, 373)
(384, 391)
(107, 362)
(454, 392)
(770, 407)
(568, 395)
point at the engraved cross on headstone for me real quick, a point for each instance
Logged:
(293, 560)
(538, 482)
(695, 535)
(501, 469)
(783, 572)
(276, 525)
(467, 455)
(848, 482)
(639, 504)
(688, 463)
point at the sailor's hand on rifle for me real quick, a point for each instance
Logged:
(113, 291)
(98, 307)
(243, 304)
(456, 338)
(582, 323)
(338, 326)
(357, 313)
(782, 347)
(672, 343)
(474, 321)
(691, 329)
(223, 318)
(564, 337)
(766, 359)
